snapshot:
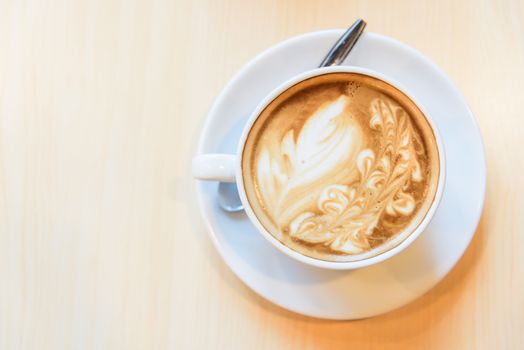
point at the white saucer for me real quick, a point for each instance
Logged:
(360, 293)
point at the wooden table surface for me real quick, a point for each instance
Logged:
(101, 242)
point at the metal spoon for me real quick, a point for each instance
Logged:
(344, 44)
(228, 197)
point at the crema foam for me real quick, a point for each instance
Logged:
(341, 167)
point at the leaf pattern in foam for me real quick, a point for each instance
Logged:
(324, 144)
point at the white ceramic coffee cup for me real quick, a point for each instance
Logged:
(227, 168)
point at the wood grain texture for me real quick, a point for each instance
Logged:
(101, 242)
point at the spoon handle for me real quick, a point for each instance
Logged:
(344, 44)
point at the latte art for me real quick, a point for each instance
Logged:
(349, 211)
(342, 165)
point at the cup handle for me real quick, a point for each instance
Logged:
(214, 167)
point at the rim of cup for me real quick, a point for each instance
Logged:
(338, 265)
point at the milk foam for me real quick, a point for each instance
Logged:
(342, 177)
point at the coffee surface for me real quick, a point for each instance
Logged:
(341, 167)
